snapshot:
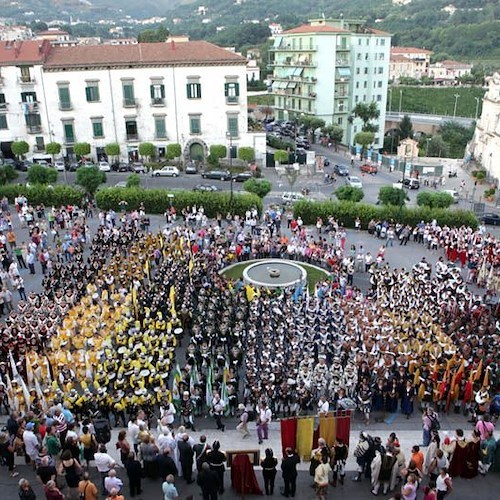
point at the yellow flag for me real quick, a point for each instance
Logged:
(171, 296)
(190, 266)
(146, 267)
(250, 293)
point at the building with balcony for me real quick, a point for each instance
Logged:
(326, 67)
(191, 93)
(449, 72)
(409, 62)
(485, 145)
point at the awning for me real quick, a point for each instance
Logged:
(277, 42)
(291, 85)
(343, 72)
(298, 71)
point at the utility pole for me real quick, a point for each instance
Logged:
(455, 107)
(400, 100)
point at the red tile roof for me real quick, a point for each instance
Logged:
(170, 53)
(375, 31)
(409, 50)
(319, 28)
(23, 52)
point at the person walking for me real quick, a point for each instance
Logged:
(265, 415)
(216, 460)
(217, 410)
(104, 464)
(169, 490)
(268, 465)
(52, 492)
(430, 422)
(87, 489)
(166, 465)
(208, 481)
(186, 458)
(289, 472)
(243, 425)
(443, 484)
(134, 474)
(25, 490)
(321, 478)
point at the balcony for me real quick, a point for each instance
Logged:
(33, 129)
(30, 107)
(4, 106)
(341, 95)
(132, 137)
(340, 48)
(27, 80)
(68, 140)
(342, 62)
(156, 101)
(65, 106)
(289, 48)
(232, 100)
(130, 102)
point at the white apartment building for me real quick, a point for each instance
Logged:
(191, 93)
(485, 145)
(326, 67)
(409, 62)
(448, 72)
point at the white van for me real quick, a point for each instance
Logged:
(290, 197)
(453, 194)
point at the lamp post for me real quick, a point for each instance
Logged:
(390, 100)
(456, 96)
(230, 137)
(477, 107)
(400, 100)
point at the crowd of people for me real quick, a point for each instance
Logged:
(105, 337)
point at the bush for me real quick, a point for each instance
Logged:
(133, 181)
(7, 174)
(246, 154)
(349, 193)
(41, 175)
(260, 188)
(20, 148)
(90, 178)
(434, 200)
(277, 143)
(480, 175)
(49, 196)
(389, 195)
(81, 149)
(346, 212)
(281, 156)
(156, 201)
(218, 151)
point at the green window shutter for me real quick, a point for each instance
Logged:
(64, 97)
(226, 89)
(69, 133)
(237, 89)
(198, 90)
(128, 92)
(160, 128)
(97, 129)
(162, 91)
(3, 122)
(232, 126)
(188, 89)
(152, 91)
(88, 93)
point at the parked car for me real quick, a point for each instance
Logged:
(290, 197)
(368, 169)
(342, 170)
(138, 168)
(191, 168)
(121, 184)
(354, 181)
(411, 183)
(490, 218)
(88, 164)
(59, 165)
(166, 171)
(221, 175)
(120, 167)
(206, 188)
(242, 177)
(104, 166)
(453, 193)
(73, 166)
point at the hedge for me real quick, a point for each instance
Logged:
(156, 201)
(346, 212)
(49, 196)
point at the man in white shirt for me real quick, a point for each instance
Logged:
(31, 443)
(112, 482)
(166, 440)
(265, 415)
(104, 464)
(133, 432)
(323, 406)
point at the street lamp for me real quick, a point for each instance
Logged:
(230, 137)
(400, 100)
(477, 107)
(456, 96)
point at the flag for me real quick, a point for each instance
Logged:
(193, 378)
(251, 293)
(176, 395)
(147, 269)
(486, 381)
(29, 372)
(298, 293)
(171, 297)
(223, 393)
(40, 395)
(134, 301)
(17, 377)
(209, 387)
(47, 366)
(479, 371)
(190, 266)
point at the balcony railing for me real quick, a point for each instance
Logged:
(65, 106)
(34, 129)
(340, 48)
(132, 137)
(288, 48)
(232, 99)
(157, 101)
(342, 62)
(30, 107)
(341, 95)
(130, 102)
(69, 139)
(26, 80)
(4, 106)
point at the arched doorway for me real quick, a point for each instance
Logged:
(196, 152)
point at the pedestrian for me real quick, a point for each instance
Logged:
(25, 490)
(46, 471)
(169, 489)
(52, 492)
(134, 474)
(216, 459)
(7, 453)
(243, 425)
(166, 465)
(71, 469)
(87, 489)
(201, 450)
(409, 490)
(186, 458)
(268, 465)
(321, 478)
(115, 495)
(112, 482)
(289, 472)
(208, 481)
(443, 484)
(217, 410)
(430, 422)
(265, 415)
(104, 464)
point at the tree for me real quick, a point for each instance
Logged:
(334, 133)
(246, 154)
(258, 187)
(90, 178)
(364, 139)
(218, 151)
(41, 175)
(437, 147)
(367, 113)
(53, 148)
(20, 148)
(281, 156)
(147, 150)
(112, 150)
(81, 149)
(7, 174)
(349, 193)
(174, 150)
(389, 195)
(457, 137)
(405, 128)
(310, 124)
(153, 35)
(434, 200)
(133, 181)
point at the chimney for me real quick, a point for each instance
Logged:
(172, 44)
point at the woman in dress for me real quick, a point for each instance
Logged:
(71, 469)
(123, 445)
(470, 468)
(407, 398)
(392, 397)
(268, 465)
(89, 445)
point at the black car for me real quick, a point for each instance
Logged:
(221, 175)
(341, 170)
(242, 177)
(491, 218)
(205, 188)
(120, 167)
(73, 166)
(137, 167)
